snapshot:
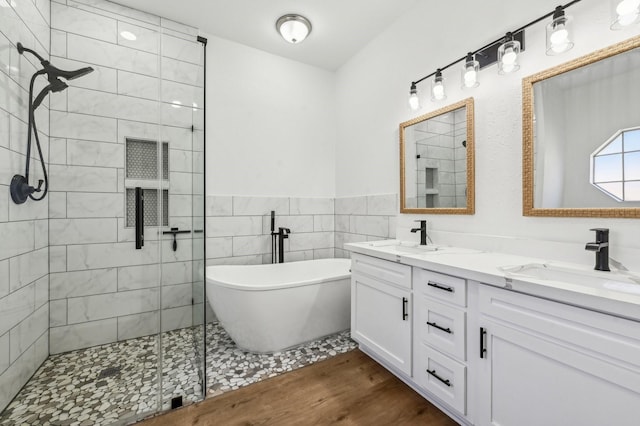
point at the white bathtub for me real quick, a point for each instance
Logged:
(268, 308)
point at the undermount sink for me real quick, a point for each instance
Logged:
(403, 247)
(623, 281)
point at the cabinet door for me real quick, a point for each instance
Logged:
(381, 320)
(528, 380)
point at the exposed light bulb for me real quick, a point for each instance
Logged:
(470, 72)
(437, 87)
(438, 91)
(624, 13)
(560, 35)
(470, 78)
(627, 7)
(414, 101)
(507, 68)
(559, 32)
(626, 20)
(509, 57)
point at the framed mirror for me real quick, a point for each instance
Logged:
(581, 136)
(437, 161)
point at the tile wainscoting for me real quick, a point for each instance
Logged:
(238, 228)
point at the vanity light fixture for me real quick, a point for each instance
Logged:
(624, 13)
(470, 72)
(559, 32)
(508, 55)
(506, 50)
(293, 28)
(414, 101)
(437, 87)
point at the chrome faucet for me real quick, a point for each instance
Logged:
(423, 232)
(601, 247)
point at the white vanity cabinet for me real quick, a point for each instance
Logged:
(547, 363)
(381, 311)
(487, 355)
(440, 336)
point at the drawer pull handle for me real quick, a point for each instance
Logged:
(483, 350)
(405, 301)
(446, 330)
(440, 287)
(433, 373)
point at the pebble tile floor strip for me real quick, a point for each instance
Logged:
(112, 383)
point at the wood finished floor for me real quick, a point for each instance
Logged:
(349, 389)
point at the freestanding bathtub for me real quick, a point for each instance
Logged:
(268, 308)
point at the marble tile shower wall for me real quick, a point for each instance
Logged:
(102, 289)
(24, 278)
(238, 228)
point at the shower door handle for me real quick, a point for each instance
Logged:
(139, 218)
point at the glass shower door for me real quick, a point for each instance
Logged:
(182, 319)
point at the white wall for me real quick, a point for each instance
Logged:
(270, 124)
(372, 92)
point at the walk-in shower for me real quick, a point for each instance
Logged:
(20, 188)
(92, 330)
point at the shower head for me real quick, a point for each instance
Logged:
(54, 73)
(67, 75)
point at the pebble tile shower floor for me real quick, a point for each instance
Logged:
(100, 385)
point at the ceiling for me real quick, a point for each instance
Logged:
(340, 27)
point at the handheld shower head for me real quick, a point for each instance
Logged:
(19, 188)
(56, 86)
(54, 72)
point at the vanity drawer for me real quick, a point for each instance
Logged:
(442, 376)
(442, 326)
(394, 273)
(440, 286)
(606, 337)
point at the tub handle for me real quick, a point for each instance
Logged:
(405, 303)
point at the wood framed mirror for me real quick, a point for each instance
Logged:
(437, 161)
(581, 136)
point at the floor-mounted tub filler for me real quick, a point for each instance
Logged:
(268, 308)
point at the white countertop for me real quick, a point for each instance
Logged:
(616, 293)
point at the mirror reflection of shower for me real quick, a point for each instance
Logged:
(20, 188)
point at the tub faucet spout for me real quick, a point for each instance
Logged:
(283, 233)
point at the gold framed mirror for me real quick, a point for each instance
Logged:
(581, 136)
(437, 161)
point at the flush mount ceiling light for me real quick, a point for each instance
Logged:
(293, 28)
